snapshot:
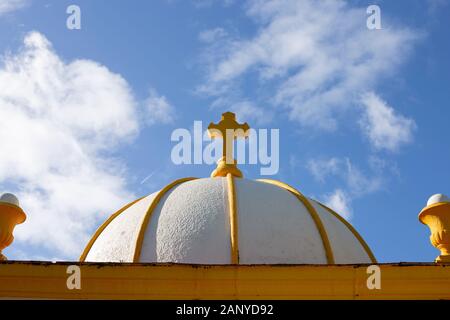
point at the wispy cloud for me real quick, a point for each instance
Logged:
(209, 3)
(312, 59)
(320, 169)
(60, 125)
(158, 109)
(246, 109)
(342, 168)
(340, 202)
(354, 182)
(212, 35)
(385, 128)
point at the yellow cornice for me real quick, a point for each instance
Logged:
(46, 280)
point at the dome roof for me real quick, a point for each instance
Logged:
(227, 220)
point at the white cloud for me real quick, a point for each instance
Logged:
(315, 57)
(60, 124)
(354, 182)
(209, 3)
(339, 202)
(385, 128)
(11, 5)
(158, 109)
(359, 183)
(246, 110)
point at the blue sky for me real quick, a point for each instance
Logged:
(362, 114)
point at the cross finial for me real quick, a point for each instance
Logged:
(228, 129)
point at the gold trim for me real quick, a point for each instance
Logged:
(312, 211)
(352, 230)
(103, 227)
(148, 214)
(232, 205)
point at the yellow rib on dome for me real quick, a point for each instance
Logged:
(148, 214)
(232, 205)
(353, 230)
(314, 215)
(103, 227)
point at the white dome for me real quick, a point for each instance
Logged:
(437, 198)
(225, 221)
(10, 199)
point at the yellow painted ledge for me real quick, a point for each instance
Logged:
(170, 281)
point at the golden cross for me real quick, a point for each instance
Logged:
(228, 129)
